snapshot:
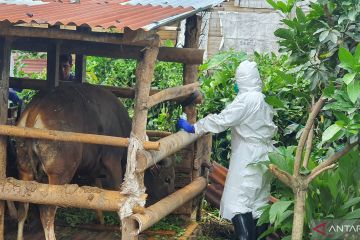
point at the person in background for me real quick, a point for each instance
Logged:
(247, 186)
(65, 68)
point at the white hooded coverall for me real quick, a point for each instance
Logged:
(247, 186)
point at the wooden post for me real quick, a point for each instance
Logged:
(80, 68)
(190, 74)
(5, 52)
(53, 62)
(144, 75)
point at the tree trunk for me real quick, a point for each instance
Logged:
(299, 212)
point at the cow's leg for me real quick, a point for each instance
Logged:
(47, 212)
(23, 207)
(113, 168)
(99, 213)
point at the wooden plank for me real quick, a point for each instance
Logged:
(5, 53)
(167, 54)
(53, 64)
(80, 68)
(190, 73)
(144, 76)
(62, 34)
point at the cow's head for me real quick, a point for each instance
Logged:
(159, 180)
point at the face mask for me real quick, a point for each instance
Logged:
(236, 88)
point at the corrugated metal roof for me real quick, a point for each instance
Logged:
(177, 3)
(103, 13)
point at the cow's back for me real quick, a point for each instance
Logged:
(75, 108)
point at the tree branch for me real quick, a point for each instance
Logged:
(330, 161)
(309, 140)
(312, 176)
(315, 111)
(283, 176)
(308, 148)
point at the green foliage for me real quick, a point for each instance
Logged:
(121, 73)
(332, 195)
(217, 84)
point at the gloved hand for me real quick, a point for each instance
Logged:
(183, 124)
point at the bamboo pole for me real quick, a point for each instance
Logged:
(5, 52)
(168, 146)
(71, 137)
(159, 210)
(144, 76)
(172, 93)
(68, 195)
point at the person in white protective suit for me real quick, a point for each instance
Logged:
(247, 186)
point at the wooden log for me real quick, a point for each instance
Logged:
(53, 64)
(37, 84)
(159, 210)
(62, 34)
(5, 52)
(144, 76)
(70, 136)
(100, 49)
(168, 146)
(190, 75)
(68, 195)
(172, 93)
(80, 68)
(159, 134)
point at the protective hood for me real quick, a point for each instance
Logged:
(248, 78)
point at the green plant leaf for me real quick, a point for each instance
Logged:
(347, 60)
(323, 35)
(357, 53)
(353, 215)
(330, 132)
(351, 202)
(284, 33)
(274, 101)
(300, 15)
(353, 90)
(348, 78)
(277, 209)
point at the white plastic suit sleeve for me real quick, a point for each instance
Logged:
(215, 123)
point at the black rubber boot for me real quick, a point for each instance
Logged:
(244, 226)
(260, 229)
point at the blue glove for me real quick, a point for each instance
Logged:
(14, 97)
(183, 124)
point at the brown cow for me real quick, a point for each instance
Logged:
(75, 108)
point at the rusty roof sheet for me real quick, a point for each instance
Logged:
(100, 13)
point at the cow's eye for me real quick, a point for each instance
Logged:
(167, 180)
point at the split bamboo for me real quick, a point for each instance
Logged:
(167, 205)
(68, 195)
(172, 93)
(71, 137)
(168, 146)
